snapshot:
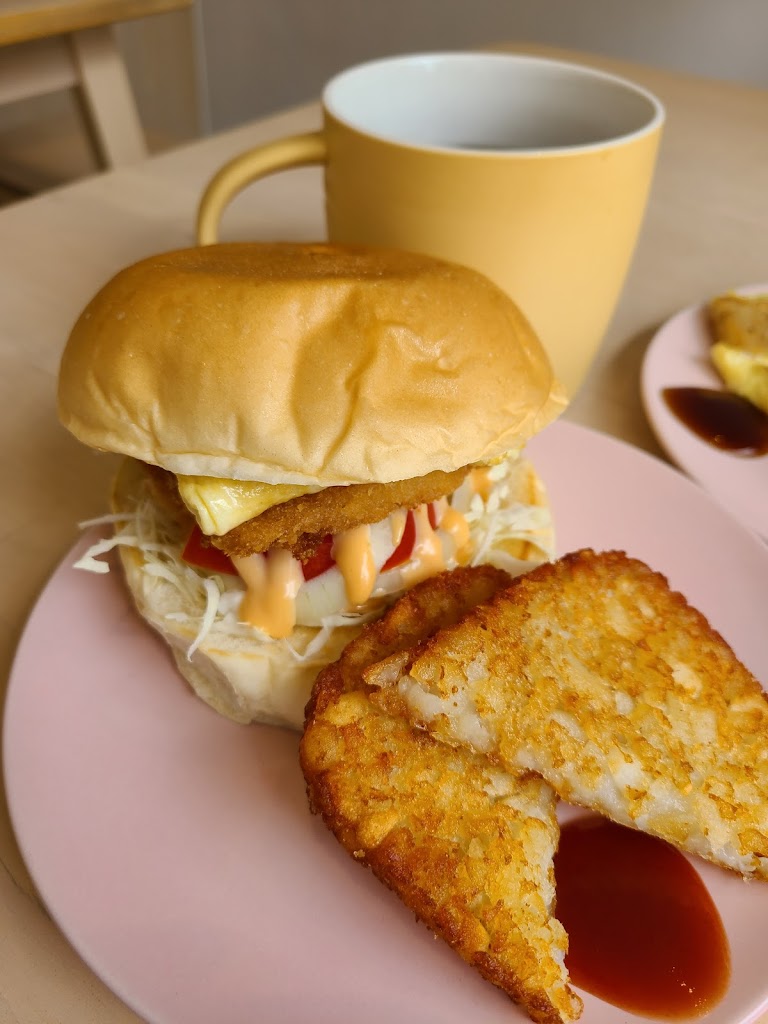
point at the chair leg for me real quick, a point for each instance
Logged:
(107, 97)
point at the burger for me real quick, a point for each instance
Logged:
(308, 431)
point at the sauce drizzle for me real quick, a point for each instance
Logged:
(272, 582)
(643, 931)
(722, 418)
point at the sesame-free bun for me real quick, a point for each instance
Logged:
(308, 364)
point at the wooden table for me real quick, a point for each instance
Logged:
(706, 231)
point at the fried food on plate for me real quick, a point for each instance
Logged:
(740, 321)
(592, 672)
(467, 846)
(739, 326)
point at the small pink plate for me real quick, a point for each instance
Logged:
(678, 356)
(176, 851)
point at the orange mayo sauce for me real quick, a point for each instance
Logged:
(457, 527)
(353, 555)
(397, 523)
(480, 481)
(272, 583)
(427, 557)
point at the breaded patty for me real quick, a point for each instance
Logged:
(467, 846)
(594, 673)
(301, 523)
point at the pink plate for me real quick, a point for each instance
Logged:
(678, 356)
(176, 851)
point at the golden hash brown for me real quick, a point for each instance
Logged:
(427, 607)
(592, 672)
(740, 321)
(466, 846)
(301, 523)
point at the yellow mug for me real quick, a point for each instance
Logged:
(534, 171)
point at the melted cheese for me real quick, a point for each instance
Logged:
(272, 582)
(220, 505)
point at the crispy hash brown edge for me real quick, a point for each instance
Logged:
(440, 664)
(432, 605)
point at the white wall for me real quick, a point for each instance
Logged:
(262, 55)
(227, 61)
(160, 54)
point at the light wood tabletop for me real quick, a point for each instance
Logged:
(705, 231)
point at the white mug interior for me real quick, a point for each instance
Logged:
(480, 102)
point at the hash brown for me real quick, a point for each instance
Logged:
(740, 321)
(739, 328)
(592, 672)
(465, 845)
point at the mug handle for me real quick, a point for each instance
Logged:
(293, 151)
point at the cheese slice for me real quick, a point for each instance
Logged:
(219, 505)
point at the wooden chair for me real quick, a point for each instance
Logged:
(64, 44)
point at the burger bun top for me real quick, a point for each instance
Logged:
(308, 364)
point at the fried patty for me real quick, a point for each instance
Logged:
(468, 847)
(302, 523)
(592, 672)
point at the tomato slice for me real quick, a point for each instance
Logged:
(320, 561)
(404, 549)
(200, 555)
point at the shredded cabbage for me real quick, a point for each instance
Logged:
(209, 603)
(212, 594)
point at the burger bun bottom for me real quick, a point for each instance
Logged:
(238, 676)
(244, 680)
